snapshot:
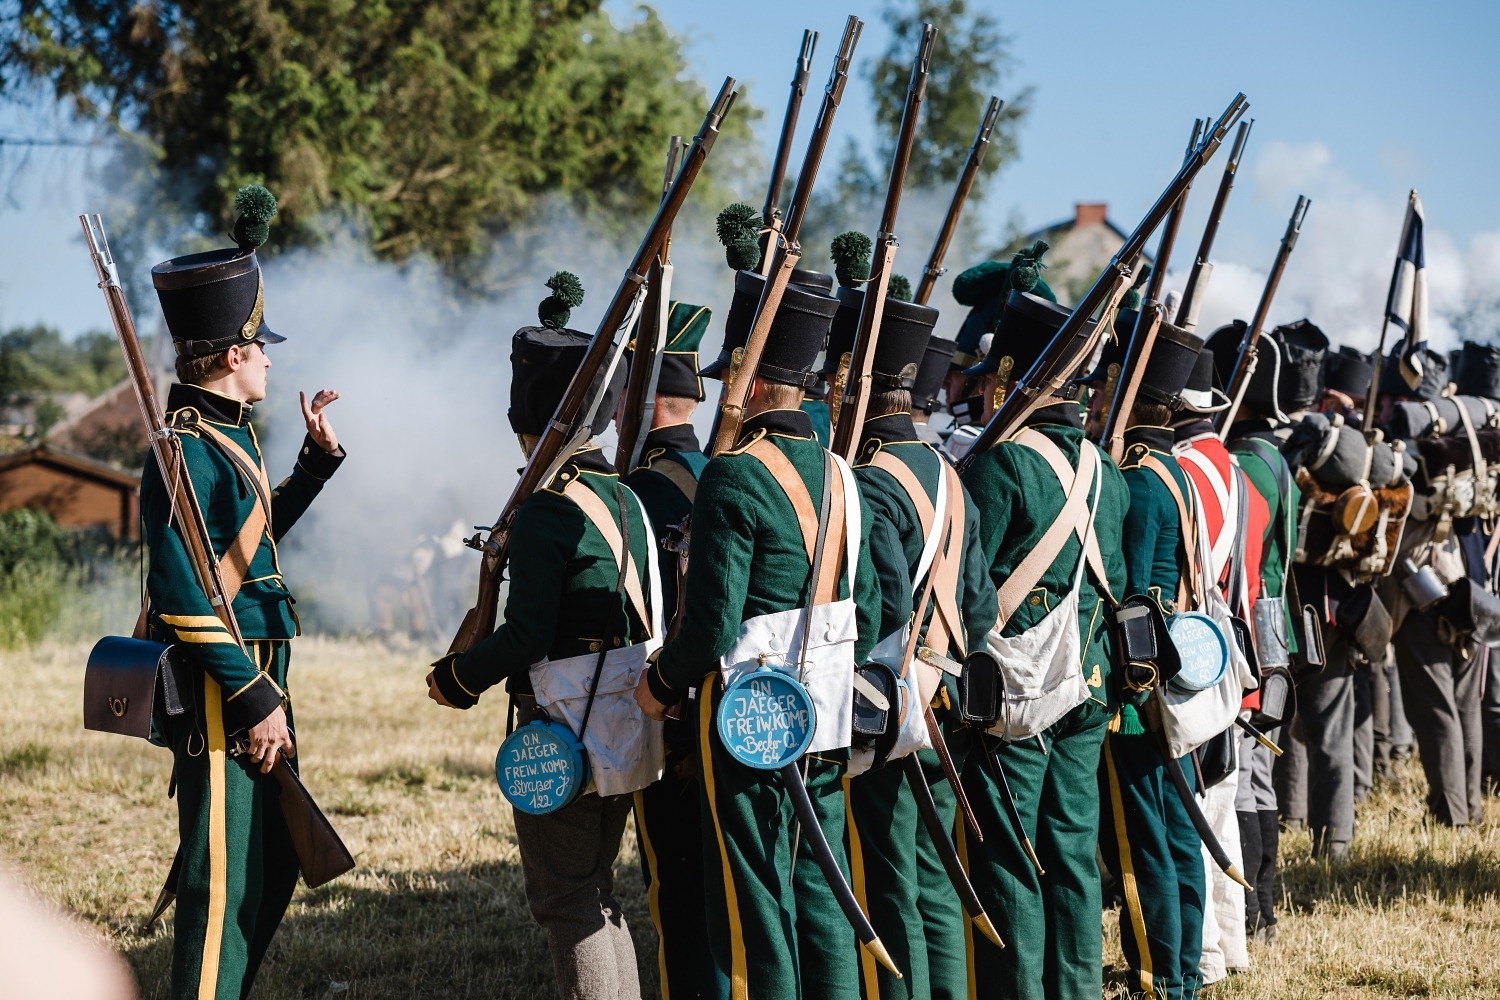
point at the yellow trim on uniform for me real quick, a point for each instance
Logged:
(867, 972)
(218, 867)
(739, 982)
(258, 677)
(961, 843)
(1127, 871)
(193, 621)
(653, 893)
(453, 669)
(220, 637)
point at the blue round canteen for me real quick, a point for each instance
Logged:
(541, 767)
(766, 719)
(1203, 649)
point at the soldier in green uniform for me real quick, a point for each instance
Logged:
(236, 867)
(1050, 924)
(1148, 839)
(564, 601)
(897, 873)
(775, 930)
(668, 818)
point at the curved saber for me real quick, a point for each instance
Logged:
(938, 831)
(997, 770)
(1195, 812)
(823, 854)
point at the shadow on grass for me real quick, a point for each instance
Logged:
(452, 934)
(1382, 874)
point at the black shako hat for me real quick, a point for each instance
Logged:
(1026, 328)
(905, 329)
(543, 360)
(1170, 365)
(215, 300)
(1288, 375)
(1201, 393)
(1435, 375)
(1348, 371)
(1478, 371)
(802, 320)
(931, 373)
(686, 325)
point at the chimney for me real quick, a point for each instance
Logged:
(1089, 213)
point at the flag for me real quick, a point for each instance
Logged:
(1407, 306)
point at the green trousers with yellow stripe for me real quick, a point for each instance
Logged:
(1150, 843)
(238, 864)
(1054, 941)
(943, 918)
(775, 929)
(669, 826)
(883, 866)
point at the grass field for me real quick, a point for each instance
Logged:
(436, 908)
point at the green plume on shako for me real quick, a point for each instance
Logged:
(256, 207)
(738, 226)
(899, 288)
(851, 258)
(567, 295)
(1026, 267)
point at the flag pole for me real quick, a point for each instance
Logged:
(1369, 421)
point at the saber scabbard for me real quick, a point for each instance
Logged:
(938, 831)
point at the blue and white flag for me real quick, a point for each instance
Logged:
(1407, 306)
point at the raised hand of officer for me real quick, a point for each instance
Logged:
(268, 737)
(318, 427)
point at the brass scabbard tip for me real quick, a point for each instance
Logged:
(1234, 873)
(982, 921)
(883, 957)
(1031, 855)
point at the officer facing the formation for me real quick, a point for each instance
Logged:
(580, 560)
(775, 929)
(923, 526)
(237, 868)
(668, 817)
(1047, 486)
(1148, 839)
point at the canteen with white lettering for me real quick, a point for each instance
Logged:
(766, 719)
(1202, 648)
(542, 767)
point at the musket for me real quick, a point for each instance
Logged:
(846, 433)
(788, 252)
(770, 213)
(1244, 361)
(1067, 348)
(321, 855)
(1187, 309)
(937, 830)
(1147, 322)
(560, 432)
(645, 371)
(934, 269)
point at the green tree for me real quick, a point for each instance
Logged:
(970, 62)
(431, 124)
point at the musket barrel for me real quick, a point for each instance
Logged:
(833, 94)
(934, 269)
(1187, 310)
(789, 127)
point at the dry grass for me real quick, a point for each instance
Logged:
(436, 908)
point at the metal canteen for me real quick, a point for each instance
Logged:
(1203, 649)
(766, 719)
(542, 767)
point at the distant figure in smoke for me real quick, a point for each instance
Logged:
(236, 868)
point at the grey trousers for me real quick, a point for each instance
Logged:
(1490, 711)
(568, 858)
(1441, 690)
(1391, 730)
(1364, 730)
(1326, 716)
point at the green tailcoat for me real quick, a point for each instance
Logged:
(563, 599)
(1050, 924)
(898, 874)
(1274, 482)
(775, 930)
(1147, 840)
(238, 868)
